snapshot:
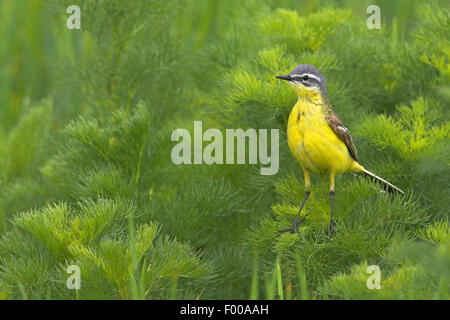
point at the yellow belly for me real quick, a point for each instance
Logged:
(313, 143)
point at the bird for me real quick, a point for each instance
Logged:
(318, 139)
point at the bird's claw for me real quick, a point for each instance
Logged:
(330, 230)
(291, 229)
(294, 226)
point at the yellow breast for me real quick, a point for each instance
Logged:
(312, 141)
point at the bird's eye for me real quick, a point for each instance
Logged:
(305, 78)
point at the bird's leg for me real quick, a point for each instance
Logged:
(331, 228)
(296, 222)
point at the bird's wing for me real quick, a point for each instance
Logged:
(342, 132)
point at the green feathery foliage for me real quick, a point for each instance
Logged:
(86, 176)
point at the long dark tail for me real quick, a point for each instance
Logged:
(390, 187)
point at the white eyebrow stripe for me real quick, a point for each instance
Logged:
(307, 74)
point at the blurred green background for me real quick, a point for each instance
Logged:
(85, 171)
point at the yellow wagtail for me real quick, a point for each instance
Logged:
(317, 137)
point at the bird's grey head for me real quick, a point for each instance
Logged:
(308, 77)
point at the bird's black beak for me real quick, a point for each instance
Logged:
(286, 77)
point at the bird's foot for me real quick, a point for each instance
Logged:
(330, 230)
(294, 226)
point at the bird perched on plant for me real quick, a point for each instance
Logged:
(317, 137)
